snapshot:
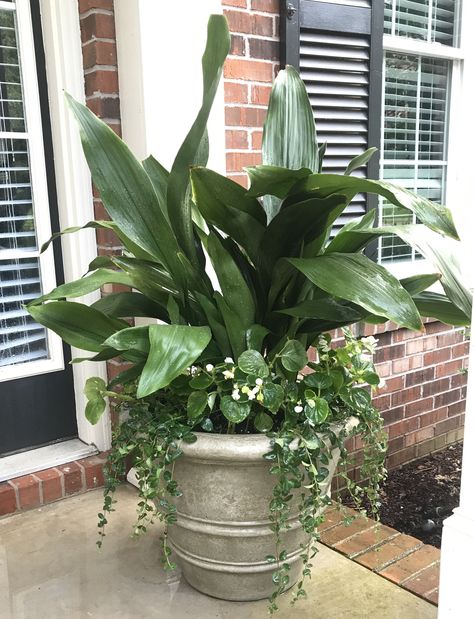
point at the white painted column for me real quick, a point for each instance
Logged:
(159, 50)
(457, 545)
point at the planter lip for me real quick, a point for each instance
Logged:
(239, 447)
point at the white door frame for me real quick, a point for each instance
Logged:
(64, 68)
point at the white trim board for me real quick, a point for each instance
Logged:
(63, 53)
(43, 458)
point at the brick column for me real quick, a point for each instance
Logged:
(248, 75)
(99, 53)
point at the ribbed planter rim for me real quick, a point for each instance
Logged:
(239, 447)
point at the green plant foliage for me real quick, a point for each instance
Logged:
(279, 284)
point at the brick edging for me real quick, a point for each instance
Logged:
(49, 485)
(400, 558)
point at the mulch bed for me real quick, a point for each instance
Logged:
(417, 497)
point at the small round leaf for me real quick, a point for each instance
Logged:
(263, 422)
(197, 402)
(234, 411)
(252, 362)
(293, 356)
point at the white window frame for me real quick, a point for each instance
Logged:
(405, 45)
(34, 137)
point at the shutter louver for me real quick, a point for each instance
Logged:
(21, 339)
(339, 56)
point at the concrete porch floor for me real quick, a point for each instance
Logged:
(50, 569)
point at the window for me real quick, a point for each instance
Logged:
(24, 202)
(419, 61)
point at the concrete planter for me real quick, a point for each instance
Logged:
(222, 534)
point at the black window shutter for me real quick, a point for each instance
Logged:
(338, 50)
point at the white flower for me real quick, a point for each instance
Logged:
(365, 358)
(255, 390)
(298, 409)
(235, 395)
(251, 396)
(370, 343)
(259, 381)
(193, 370)
(209, 367)
(228, 374)
(228, 360)
(311, 403)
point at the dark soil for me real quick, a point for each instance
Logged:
(419, 496)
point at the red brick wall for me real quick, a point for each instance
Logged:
(99, 56)
(423, 401)
(248, 74)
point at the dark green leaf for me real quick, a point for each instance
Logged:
(318, 380)
(173, 348)
(235, 412)
(325, 308)
(233, 285)
(85, 285)
(94, 391)
(159, 179)
(371, 378)
(200, 381)
(77, 324)
(356, 278)
(434, 305)
(417, 283)
(252, 362)
(179, 205)
(263, 422)
(197, 402)
(299, 223)
(433, 215)
(274, 180)
(361, 160)
(132, 338)
(255, 336)
(235, 328)
(127, 376)
(273, 396)
(289, 134)
(125, 188)
(319, 412)
(224, 204)
(293, 356)
(129, 304)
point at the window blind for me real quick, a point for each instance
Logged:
(415, 136)
(21, 339)
(433, 21)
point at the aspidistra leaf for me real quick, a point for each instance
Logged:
(356, 278)
(77, 324)
(178, 203)
(173, 348)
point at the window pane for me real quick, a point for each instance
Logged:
(11, 103)
(400, 113)
(425, 20)
(21, 339)
(415, 137)
(433, 107)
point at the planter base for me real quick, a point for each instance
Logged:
(222, 534)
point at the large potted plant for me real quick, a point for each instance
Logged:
(235, 405)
